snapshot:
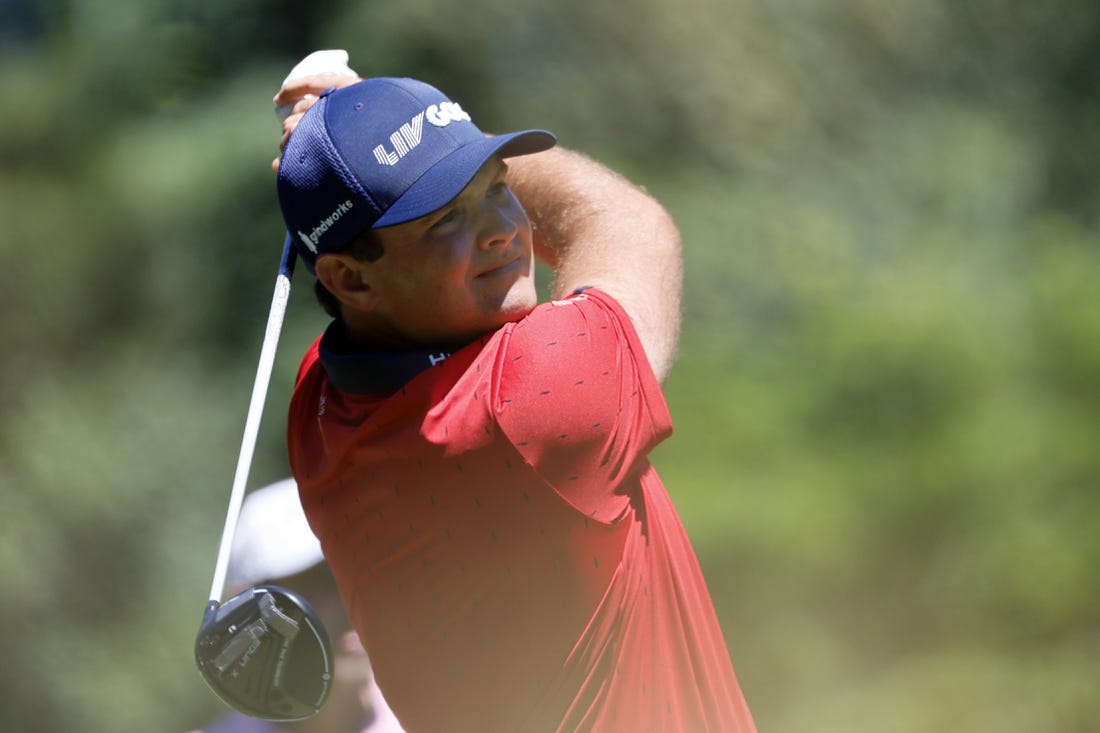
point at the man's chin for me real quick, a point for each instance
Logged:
(517, 307)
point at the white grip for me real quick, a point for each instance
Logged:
(331, 61)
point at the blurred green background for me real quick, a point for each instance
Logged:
(888, 392)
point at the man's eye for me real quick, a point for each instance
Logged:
(445, 219)
(498, 188)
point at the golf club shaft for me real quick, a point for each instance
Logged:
(255, 411)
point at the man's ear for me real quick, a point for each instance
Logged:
(346, 277)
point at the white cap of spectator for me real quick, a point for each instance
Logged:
(273, 539)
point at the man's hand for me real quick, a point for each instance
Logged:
(301, 89)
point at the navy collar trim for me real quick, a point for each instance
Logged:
(378, 372)
(373, 372)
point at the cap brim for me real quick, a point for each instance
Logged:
(446, 179)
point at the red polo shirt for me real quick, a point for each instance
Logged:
(503, 545)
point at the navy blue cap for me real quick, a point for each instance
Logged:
(378, 153)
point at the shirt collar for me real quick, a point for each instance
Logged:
(373, 372)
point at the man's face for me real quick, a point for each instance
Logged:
(461, 271)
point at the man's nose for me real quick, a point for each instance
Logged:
(498, 226)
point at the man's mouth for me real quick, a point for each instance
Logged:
(504, 268)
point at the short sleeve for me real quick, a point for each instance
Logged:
(576, 396)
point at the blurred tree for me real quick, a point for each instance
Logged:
(886, 399)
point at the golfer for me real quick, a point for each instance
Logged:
(475, 462)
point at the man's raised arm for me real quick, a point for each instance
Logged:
(594, 227)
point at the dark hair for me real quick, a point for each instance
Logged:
(366, 247)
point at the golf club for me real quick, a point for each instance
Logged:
(264, 651)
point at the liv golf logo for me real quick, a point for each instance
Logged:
(409, 135)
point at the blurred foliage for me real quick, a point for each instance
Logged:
(888, 395)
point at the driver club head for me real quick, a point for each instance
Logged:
(265, 653)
